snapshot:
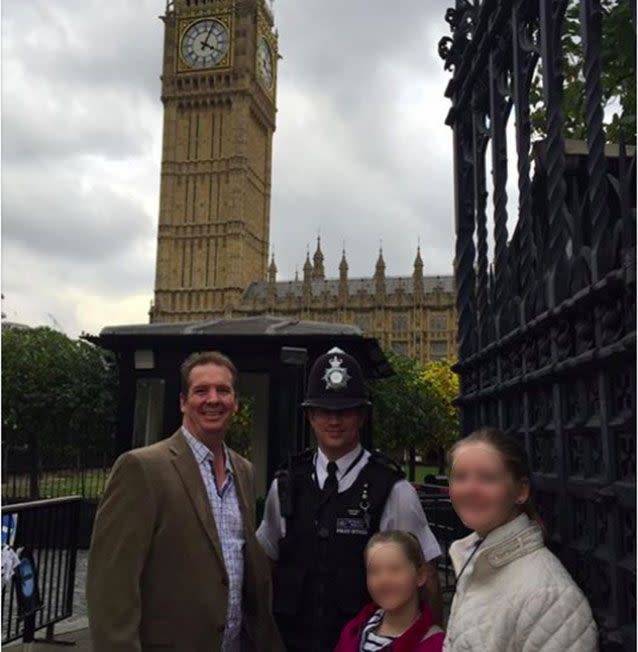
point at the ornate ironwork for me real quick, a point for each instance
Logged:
(547, 329)
(591, 18)
(480, 196)
(524, 57)
(498, 121)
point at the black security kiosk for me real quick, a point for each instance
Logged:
(273, 356)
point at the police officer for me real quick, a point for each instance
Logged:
(323, 507)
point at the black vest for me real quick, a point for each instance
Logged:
(320, 579)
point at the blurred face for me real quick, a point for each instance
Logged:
(337, 431)
(211, 401)
(393, 581)
(482, 490)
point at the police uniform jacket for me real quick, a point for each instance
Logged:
(319, 579)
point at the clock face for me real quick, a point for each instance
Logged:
(264, 62)
(205, 43)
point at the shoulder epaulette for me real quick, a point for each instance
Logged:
(297, 459)
(383, 459)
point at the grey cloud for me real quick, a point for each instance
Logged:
(72, 126)
(354, 166)
(358, 55)
(25, 274)
(48, 211)
(78, 81)
(89, 41)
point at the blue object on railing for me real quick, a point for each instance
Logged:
(26, 583)
(9, 526)
(41, 593)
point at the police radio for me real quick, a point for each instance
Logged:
(285, 489)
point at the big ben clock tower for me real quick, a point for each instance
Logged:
(218, 89)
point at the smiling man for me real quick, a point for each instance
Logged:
(326, 504)
(174, 561)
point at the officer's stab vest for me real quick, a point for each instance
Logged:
(320, 578)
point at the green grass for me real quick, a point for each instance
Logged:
(54, 484)
(421, 471)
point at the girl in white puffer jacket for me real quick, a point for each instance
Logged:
(513, 594)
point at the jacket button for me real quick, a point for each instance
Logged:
(221, 628)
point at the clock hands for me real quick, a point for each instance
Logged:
(205, 44)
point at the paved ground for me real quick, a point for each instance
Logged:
(79, 601)
(74, 628)
(80, 638)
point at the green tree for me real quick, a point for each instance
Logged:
(413, 410)
(59, 394)
(239, 436)
(442, 384)
(618, 75)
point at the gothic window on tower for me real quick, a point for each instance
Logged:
(438, 350)
(364, 322)
(400, 322)
(438, 322)
(265, 63)
(400, 348)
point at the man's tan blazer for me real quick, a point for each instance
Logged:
(156, 577)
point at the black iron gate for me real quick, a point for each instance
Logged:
(547, 333)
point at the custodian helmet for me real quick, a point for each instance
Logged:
(336, 383)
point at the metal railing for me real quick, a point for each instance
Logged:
(48, 530)
(546, 298)
(445, 525)
(52, 475)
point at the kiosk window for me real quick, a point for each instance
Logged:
(149, 411)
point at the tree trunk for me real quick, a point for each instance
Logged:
(442, 462)
(81, 468)
(411, 464)
(34, 487)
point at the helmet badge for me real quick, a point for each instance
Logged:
(336, 376)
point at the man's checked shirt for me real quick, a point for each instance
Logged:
(225, 507)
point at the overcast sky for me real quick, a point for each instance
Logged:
(360, 153)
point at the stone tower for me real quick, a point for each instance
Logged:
(218, 90)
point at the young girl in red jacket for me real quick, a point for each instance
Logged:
(398, 620)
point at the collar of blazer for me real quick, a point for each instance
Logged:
(188, 470)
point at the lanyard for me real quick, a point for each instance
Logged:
(469, 559)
